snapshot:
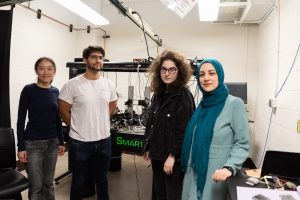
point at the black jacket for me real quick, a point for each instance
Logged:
(168, 118)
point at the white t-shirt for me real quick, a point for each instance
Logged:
(90, 120)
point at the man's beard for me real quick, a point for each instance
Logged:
(94, 68)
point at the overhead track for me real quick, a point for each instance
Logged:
(128, 13)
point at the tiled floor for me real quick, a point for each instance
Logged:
(123, 184)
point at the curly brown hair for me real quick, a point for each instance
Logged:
(90, 49)
(184, 72)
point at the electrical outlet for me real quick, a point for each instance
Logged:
(272, 103)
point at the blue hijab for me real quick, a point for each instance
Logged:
(199, 131)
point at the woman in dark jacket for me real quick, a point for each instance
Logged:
(171, 107)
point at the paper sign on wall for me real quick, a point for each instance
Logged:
(180, 7)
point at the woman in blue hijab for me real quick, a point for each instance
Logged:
(216, 141)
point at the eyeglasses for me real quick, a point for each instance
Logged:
(95, 57)
(171, 70)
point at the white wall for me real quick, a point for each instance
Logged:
(33, 38)
(248, 53)
(278, 39)
(228, 43)
(252, 67)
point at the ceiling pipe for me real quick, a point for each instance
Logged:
(263, 18)
(249, 21)
(57, 21)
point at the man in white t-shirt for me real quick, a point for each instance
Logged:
(86, 103)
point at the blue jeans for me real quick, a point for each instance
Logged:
(40, 168)
(89, 157)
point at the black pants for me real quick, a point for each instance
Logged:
(167, 187)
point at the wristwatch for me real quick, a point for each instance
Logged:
(230, 169)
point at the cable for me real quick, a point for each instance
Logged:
(289, 71)
(192, 82)
(260, 162)
(116, 79)
(139, 91)
(136, 177)
(268, 133)
(129, 79)
(148, 77)
(270, 120)
(143, 27)
(139, 116)
(139, 78)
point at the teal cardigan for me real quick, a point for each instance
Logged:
(229, 147)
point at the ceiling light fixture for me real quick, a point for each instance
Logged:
(208, 10)
(84, 11)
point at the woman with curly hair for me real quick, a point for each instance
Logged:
(171, 107)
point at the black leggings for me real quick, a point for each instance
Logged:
(167, 187)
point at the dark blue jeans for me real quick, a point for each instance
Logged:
(89, 157)
(42, 157)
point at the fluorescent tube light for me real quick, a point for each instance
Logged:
(208, 10)
(84, 11)
(172, 6)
